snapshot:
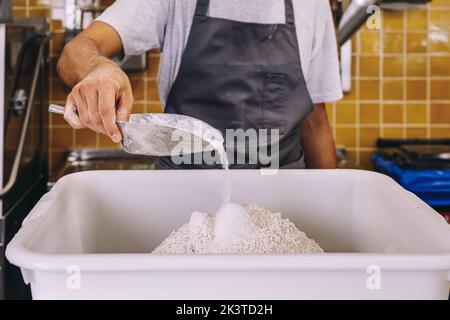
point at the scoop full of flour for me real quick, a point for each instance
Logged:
(238, 229)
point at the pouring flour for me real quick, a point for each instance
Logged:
(236, 228)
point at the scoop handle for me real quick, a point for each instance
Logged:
(54, 108)
(71, 114)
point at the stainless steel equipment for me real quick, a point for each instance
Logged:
(350, 15)
(357, 12)
(78, 160)
(5, 11)
(23, 149)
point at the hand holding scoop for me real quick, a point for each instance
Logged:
(163, 134)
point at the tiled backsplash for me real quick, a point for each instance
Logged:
(401, 83)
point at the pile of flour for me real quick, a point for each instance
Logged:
(238, 229)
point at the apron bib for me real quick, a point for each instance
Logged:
(238, 75)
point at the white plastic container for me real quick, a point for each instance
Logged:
(89, 238)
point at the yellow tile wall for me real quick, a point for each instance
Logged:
(401, 84)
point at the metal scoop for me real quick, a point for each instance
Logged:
(163, 134)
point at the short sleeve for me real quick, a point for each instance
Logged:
(139, 23)
(324, 81)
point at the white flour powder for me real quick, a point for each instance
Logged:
(247, 229)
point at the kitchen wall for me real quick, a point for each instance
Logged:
(401, 84)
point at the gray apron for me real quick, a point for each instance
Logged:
(237, 75)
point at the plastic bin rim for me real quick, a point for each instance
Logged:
(263, 172)
(25, 258)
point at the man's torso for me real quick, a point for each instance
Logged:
(181, 14)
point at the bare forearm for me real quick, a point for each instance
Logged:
(101, 92)
(87, 51)
(317, 140)
(78, 59)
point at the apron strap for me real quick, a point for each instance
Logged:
(202, 8)
(289, 7)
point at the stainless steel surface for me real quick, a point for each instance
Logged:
(344, 162)
(18, 103)
(134, 63)
(6, 11)
(77, 156)
(80, 13)
(53, 108)
(78, 160)
(23, 159)
(346, 66)
(353, 18)
(358, 12)
(18, 156)
(88, 11)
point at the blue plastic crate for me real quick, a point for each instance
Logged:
(432, 186)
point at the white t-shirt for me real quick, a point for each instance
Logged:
(165, 25)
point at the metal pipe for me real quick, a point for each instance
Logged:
(353, 18)
(2, 88)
